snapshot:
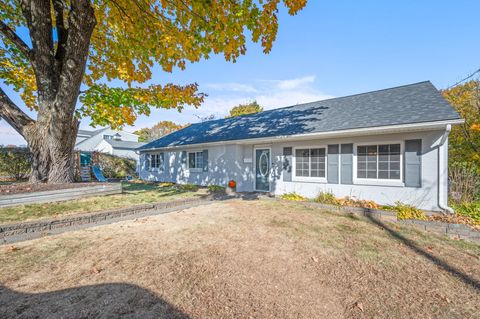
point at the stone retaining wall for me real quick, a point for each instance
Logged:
(459, 231)
(32, 229)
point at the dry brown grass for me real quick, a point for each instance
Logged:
(240, 259)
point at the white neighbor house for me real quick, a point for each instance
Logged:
(106, 140)
(388, 145)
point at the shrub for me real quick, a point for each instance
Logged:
(327, 198)
(405, 211)
(188, 187)
(464, 183)
(292, 196)
(471, 210)
(115, 167)
(15, 162)
(166, 184)
(216, 189)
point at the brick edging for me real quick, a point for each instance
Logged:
(30, 229)
(459, 231)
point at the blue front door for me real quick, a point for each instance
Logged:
(262, 170)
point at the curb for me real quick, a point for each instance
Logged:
(15, 232)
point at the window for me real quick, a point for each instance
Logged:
(156, 160)
(108, 137)
(310, 162)
(195, 160)
(378, 161)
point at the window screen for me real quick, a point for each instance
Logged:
(378, 161)
(310, 162)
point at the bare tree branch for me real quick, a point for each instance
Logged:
(13, 114)
(15, 39)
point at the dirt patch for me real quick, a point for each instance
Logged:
(258, 259)
(18, 188)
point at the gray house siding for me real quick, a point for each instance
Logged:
(235, 161)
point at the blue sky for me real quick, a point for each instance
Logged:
(332, 48)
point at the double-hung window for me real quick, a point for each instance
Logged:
(195, 161)
(156, 160)
(378, 161)
(310, 162)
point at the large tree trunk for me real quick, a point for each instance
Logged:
(52, 150)
(59, 71)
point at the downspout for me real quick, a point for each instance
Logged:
(440, 165)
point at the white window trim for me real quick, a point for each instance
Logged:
(296, 178)
(162, 163)
(378, 181)
(194, 169)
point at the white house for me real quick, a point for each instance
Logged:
(388, 145)
(106, 140)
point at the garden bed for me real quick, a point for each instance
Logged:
(60, 194)
(18, 188)
(133, 193)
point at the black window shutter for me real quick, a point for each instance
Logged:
(287, 164)
(346, 168)
(183, 158)
(332, 164)
(413, 163)
(205, 160)
(147, 161)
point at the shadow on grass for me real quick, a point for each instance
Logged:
(115, 300)
(437, 261)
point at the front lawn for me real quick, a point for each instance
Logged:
(133, 193)
(241, 259)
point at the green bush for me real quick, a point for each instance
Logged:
(471, 209)
(216, 189)
(405, 211)
(116, 167)
(166, 184)
(327, 198)
(188, 187)
(293, 196)
(15, 162)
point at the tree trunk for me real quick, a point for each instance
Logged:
(58, 73)
(52, 146)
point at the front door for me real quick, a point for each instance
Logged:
(262, 170)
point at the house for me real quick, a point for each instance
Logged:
(106, 140)
(386, 146)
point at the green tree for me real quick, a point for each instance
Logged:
(465, 139)
(78, 43)
(243, 109)
(158, 130)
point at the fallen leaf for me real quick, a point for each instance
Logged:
(95, 270)
(358, 305)
(12, 248)
(430, 248)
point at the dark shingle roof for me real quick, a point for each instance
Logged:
(126, 145)
(414, 103)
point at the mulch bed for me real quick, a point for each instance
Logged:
(19, 188)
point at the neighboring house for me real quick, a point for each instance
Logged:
(387, 146)
(106, 140)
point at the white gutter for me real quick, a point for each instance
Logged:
(339, 133)
(440, 165)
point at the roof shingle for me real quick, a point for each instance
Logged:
(414, 103)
